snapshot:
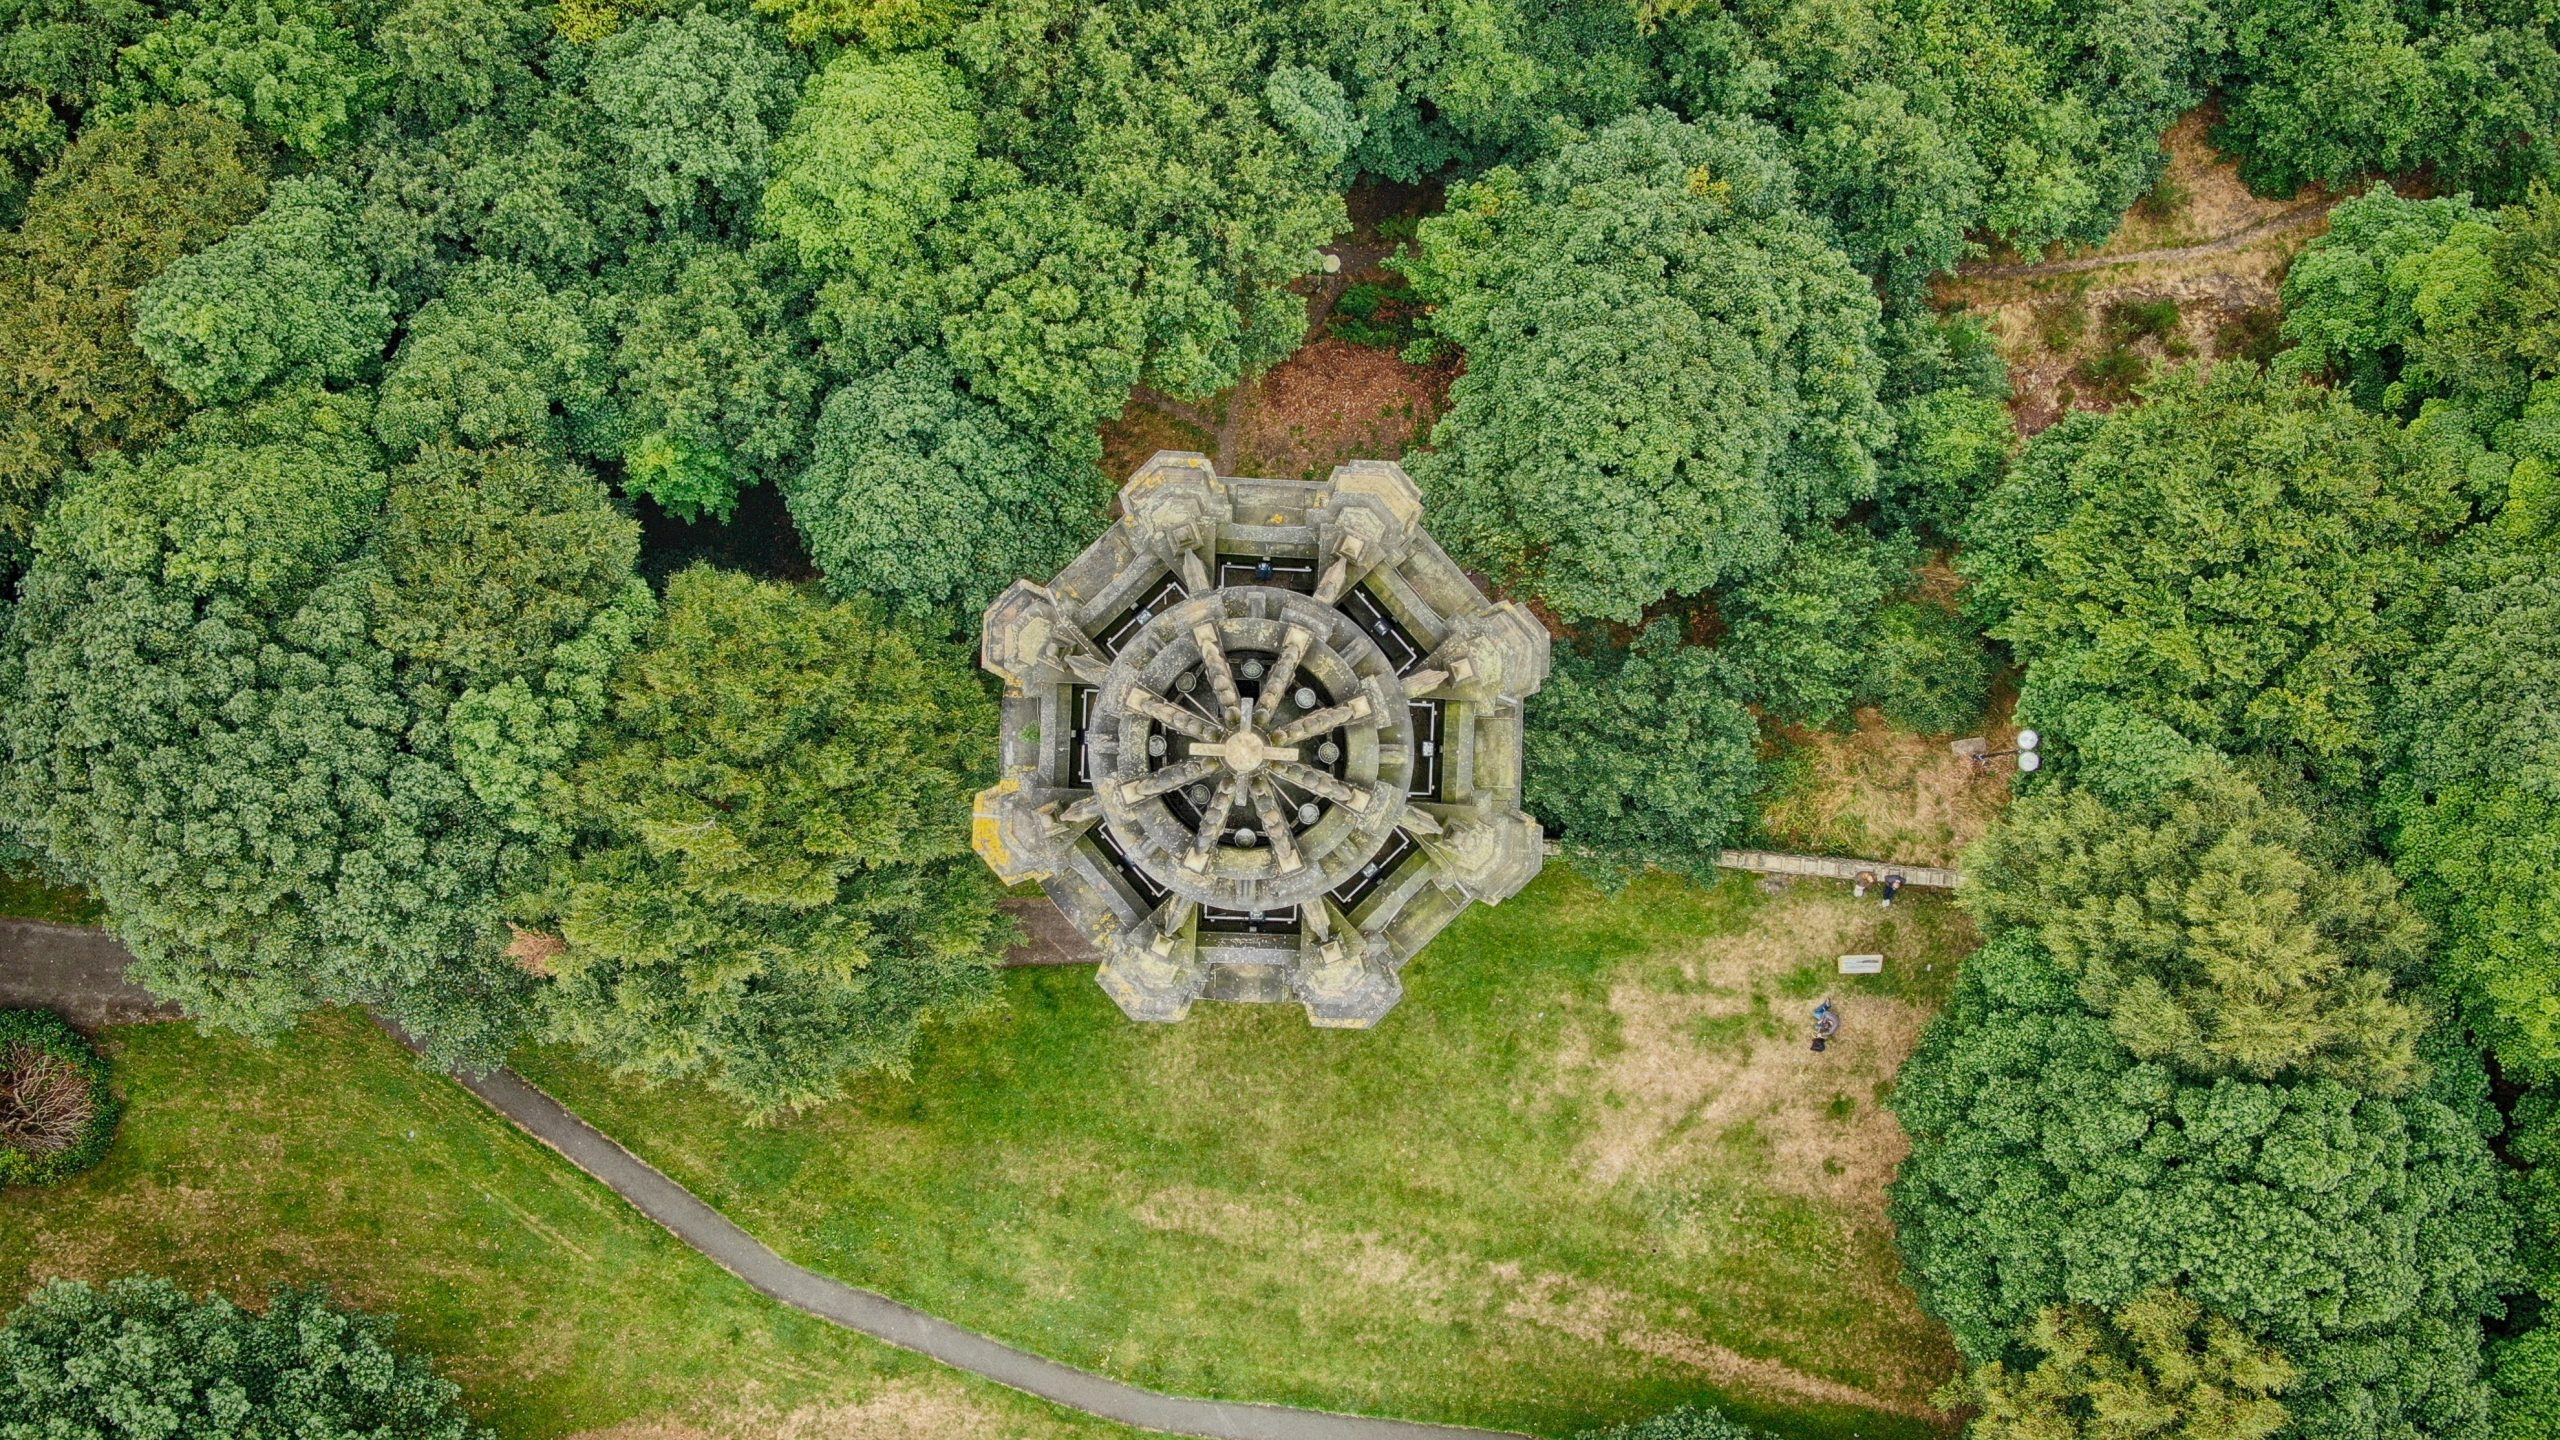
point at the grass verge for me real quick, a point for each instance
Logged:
(331, 1156)
(1589, 1170)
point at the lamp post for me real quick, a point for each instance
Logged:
(2024, 748)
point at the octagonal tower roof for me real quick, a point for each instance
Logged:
(1261, 740)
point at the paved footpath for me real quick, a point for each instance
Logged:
(80, 972)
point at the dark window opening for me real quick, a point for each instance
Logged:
(1079, 720)
(1298, 575)
(1111, 637)
(1380, 869)
(1249, 922)
(1370, 616)
(1427, 745)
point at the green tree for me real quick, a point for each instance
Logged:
(1427, 86)
(1642, 756)
(491, 189)
(491, 560)
(507, 594)
(2201, 928)
(1797, 635)
(2474, 804)
(2418, 305)
(878, 24)
(226, 689)
(282, 297)
(288, 69)
(500, 358)
(2527, 1380)
(1926, 668)
(772, 884)
(688, 107)
(2160, 1365)
(1155, 116)
(1948, 390)
(929, 499)
(1668, 367)
(138, 1357)
(1039, 314)
(449, 58)
(2238, 561)
(2360, 1234)
(57, 58)
(2350, 301)
(712, 374)
(2322, 91)
(1916, 125)
(133, 194)
(876, 153)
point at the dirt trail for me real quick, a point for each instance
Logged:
(2293, 219)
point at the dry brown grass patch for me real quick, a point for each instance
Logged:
(1885, 794)
(904, 1410)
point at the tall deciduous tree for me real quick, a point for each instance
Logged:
(1668, 366)
(928, 498)
(688, 107)
(1156, 116)
(227, 707)
(772, 884)
(2474, 802)
(2238, 561)
(2158, 1368)
(500, 358)
(1642, 756)
(283, 297)
(2200, 927)
(712, 373)
(2362, 1235)
(291, 70)
(132, 195)
(2321, 91)
(57, 58)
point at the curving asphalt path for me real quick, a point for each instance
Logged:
(741, 1254)
(81, 972)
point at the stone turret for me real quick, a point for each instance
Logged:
(1261, 740)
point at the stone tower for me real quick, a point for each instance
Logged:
(1261, 740)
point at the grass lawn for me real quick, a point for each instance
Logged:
(331, 1156)
(1588, 1170)
(29, 896)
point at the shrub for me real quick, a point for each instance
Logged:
(140, 1357)
(57, 1112)
(1928, 670)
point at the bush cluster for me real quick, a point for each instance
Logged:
(58, 1110)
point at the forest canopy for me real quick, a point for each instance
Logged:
(496, 498)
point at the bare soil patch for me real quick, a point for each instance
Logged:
(1723, 1047)
(1334, 401)
(2085, 340)
(1144, 428)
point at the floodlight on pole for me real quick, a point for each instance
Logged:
(2025, 747)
